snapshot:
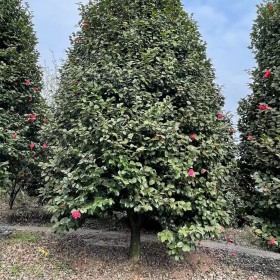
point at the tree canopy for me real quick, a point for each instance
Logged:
(138, 125)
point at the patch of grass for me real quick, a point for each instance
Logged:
(15, 270)
(19, 237)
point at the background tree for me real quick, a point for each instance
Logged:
(21, 105)
(260, 125)
(138, 125)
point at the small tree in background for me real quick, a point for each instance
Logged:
(138, 125)
(51, 77)
(260, 126)
(21, 105)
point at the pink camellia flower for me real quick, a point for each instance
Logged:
(250, 137)
(44, 120)
(78, 39)
(36, 89)
(191, 173)
(14, 135)
(32, 146)
(27, 82)
(220, 116)
(85, 24)
(44, 146)
(234, 254)
(192, 136)
(203, 171)
(267, 74)
(76, 214)
(272, 241)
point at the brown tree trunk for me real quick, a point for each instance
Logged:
(15, 190)
(135, 225)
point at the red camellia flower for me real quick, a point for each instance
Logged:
(44, 146)
(36, 89)
(32, 118)
(272, 241)
(192, 136)
(231, 131)
(263, 107)
(228, 239)
(32, 146)
(270, 6)
(27, 82)
(76, 214)
(267, 74)
(14, 135)
(191, 173)
(220, 116)
(250, 137)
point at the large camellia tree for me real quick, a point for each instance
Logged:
(20, 102)
(260, 126)
(138, 125)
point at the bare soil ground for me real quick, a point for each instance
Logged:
(36, 253)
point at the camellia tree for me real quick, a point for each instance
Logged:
(21, 105)
(138, 125)
(260, 126)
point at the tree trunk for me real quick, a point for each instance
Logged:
(13, 194)
(12, 199)
(135, 225)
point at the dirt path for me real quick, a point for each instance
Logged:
(103, 255)
(120, 239)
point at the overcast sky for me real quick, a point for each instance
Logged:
(225, 26)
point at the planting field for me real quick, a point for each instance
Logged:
(98, 252)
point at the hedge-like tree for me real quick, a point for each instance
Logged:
(138, 125)
(260, 125)
(20, 101)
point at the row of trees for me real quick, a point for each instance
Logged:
(137, 123)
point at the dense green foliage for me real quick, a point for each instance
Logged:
(138, 124)
(20, 102)
(260, 125)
